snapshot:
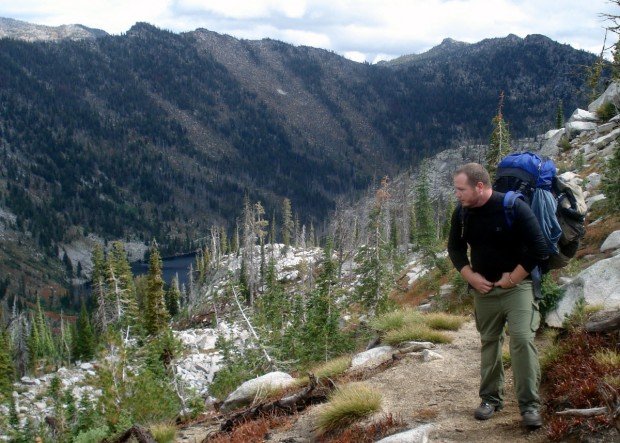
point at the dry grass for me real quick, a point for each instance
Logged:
(382, 427)
(443, 321)
(347, 405)
(163, 432)
(396, 319)
(608, 358)
(425, 414)
(416, 332)
(251, 431)
(330, 369)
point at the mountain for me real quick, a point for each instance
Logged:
(153, 134)
(19, 30)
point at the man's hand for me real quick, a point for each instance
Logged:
(505, 282)
(479, 283)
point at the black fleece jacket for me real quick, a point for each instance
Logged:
(495, 247)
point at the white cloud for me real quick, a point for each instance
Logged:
(374, 28)
(355, 56)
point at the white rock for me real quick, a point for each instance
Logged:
(581, 115)
(248, 390)
(428, 355)
(415, 346)
(611, 242)
(597, 285)
(417, 435)
(591, 200)
(577, 127)
(605, 128)
(30, 381)
(611, 94)
(550, 147)
(594, 180)
(426, 307)
(601, 142)
(40, 405)
(86, 366)
(372, 358)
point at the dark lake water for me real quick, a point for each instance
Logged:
(170, 267)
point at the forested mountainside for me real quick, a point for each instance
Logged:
(153, 134)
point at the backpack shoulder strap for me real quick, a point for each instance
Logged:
(510, 199)
(463, 213)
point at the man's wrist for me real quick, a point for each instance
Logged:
(510, 280)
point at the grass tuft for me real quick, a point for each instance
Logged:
(416, 332)
(443, 321)
(329, 369)
(396, 319)
(163, 432)
(607, 358)
(347, 405)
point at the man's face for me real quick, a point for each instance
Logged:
(465, 193)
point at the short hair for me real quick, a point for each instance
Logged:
(475, 174)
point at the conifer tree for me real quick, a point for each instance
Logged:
(173, 296)
(125, 296)
(287, 222)
(373, 257)
(84, 342)
(155, 314)
(611, 180)
(7, 370)
(100, 289)
(499, 144)
(425, 226)
(559, 116)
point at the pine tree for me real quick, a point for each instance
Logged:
(559, 116)
(499, 144)
(425, 226)
(611, 180)
(287, 222)
(100, 289)
(7, 370)
(173, 296)
(155, 315)
(125, 289)
(84, 342)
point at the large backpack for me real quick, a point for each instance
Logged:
(557, 203)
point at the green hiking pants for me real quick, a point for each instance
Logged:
(516, 308)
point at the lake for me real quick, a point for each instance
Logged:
(170, 267)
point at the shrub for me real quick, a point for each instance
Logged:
(347, 405)
(564, 144)
(551, 296)
(606, 111)
(416, 332)
(94, 435)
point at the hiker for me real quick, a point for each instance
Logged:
(502, 258)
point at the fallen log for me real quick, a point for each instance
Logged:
(591, 412)
(287, 405)
(610, 323)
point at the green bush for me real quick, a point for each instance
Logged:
(416, 332)
(606, 111)
(94, 435)
(551, 296)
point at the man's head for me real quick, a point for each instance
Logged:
(472, 185)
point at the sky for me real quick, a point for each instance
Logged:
(361, 30)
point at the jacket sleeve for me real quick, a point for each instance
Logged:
(457, 246)
(534, 251)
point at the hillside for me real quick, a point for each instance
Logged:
(153, 134)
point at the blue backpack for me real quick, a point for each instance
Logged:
(532, 179)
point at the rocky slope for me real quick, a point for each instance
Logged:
(20, 30)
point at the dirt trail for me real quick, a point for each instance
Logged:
(443, 392)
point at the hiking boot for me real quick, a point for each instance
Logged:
(486, 410)
(532, 419)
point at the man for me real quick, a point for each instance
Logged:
(502, 258)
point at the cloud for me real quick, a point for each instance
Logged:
(372, 28)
